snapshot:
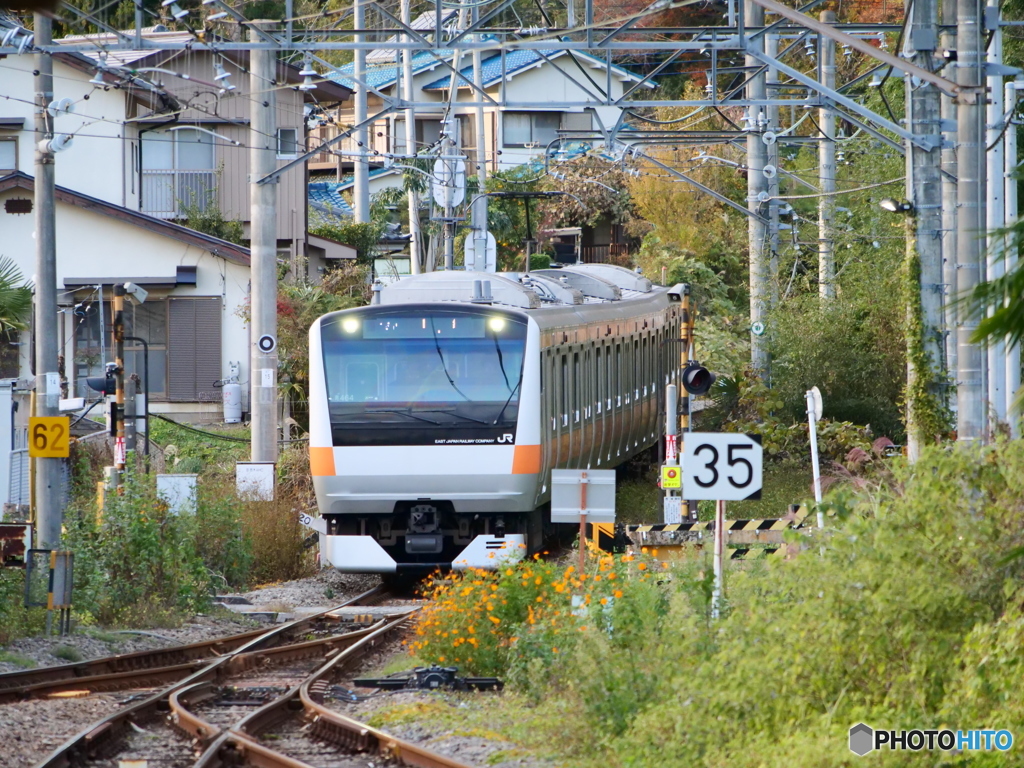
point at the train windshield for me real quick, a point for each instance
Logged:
(423, 369)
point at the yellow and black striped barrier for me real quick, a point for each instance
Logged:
(795, 520)
(754, 554)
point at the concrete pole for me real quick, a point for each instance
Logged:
(49, 515)
(827, 171)
(120, 449)
(924, 189)
(448, 154)
(757, 232)
(947, 41)
(415, 236)
(1010, 203)
(263, 250)
(995, 219)
(361, 187)
(970, 190)
(480, 206)
(772, 78)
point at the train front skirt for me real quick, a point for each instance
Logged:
(362, 554)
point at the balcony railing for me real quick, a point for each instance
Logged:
(616, 253)
(166, 193)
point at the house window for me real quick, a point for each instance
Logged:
(287, 142)
(184, 336)
(530, 129)
(177, 172)
(8, 156)
(427, 132)
(10, 356)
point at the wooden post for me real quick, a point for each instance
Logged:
(583, 521)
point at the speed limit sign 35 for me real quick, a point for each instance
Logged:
(722, 466)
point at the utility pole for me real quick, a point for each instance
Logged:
(361, 187)
(827, 170)
(415, 237)
(757, 189)
(1010, 200)
(449, 162)
(772, 89)
(117, 410)
(48, 513)
(947, 41)
(970, 181)
(995, 218)
(480, 206)
(924, 189)
(263, 249)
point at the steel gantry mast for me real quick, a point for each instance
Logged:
(749, 42)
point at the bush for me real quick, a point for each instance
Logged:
(525, 616)
(139, 562)
(909, 617)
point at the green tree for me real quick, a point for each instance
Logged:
(15, 297)
(209, 219)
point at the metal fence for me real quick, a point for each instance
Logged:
(165, 193)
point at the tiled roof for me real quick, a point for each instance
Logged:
(325, 197)
(515, 61)
(381, 74)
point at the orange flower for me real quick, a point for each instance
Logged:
(604, 601)
(617, 594)
(642, 567)
(495, 619)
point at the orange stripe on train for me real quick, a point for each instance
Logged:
(526, 460)
(321, 462)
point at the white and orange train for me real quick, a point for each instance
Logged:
(438, 413)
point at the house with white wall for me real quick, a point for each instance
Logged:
(512, 136)
(193, 318)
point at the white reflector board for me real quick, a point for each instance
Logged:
(567, 496)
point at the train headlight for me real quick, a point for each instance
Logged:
(496, 324)
(350, 324)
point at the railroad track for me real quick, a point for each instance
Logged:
(253, 699)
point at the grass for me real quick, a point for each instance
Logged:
(9, 657)
(523, 728)
(67, 653)
(215, 455)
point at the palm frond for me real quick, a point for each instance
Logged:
(15, 297)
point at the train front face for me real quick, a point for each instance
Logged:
(424, 435)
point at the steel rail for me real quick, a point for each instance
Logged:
(180, 699)
(238, 744)
(102, 734)
(125, 662)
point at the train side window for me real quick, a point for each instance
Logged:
(617, 389)
(636, 381)
(577, 386)
(564, 412)
(599, 360)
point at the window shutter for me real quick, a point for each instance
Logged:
(193, 349)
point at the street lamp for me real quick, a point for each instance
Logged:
(896, 206)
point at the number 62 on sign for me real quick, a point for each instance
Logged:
(722, 466)
(49, 437)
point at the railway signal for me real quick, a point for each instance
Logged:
(698, 380)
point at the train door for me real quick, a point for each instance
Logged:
(548, 379)
(600, 420)
(589, 409)
(562, 415)
(618, 403)
(576, 412)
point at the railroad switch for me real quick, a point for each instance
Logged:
(431, 678)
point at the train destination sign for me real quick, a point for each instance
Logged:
(722, 466)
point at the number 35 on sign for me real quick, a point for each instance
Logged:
(48, 437)
(722, 466)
